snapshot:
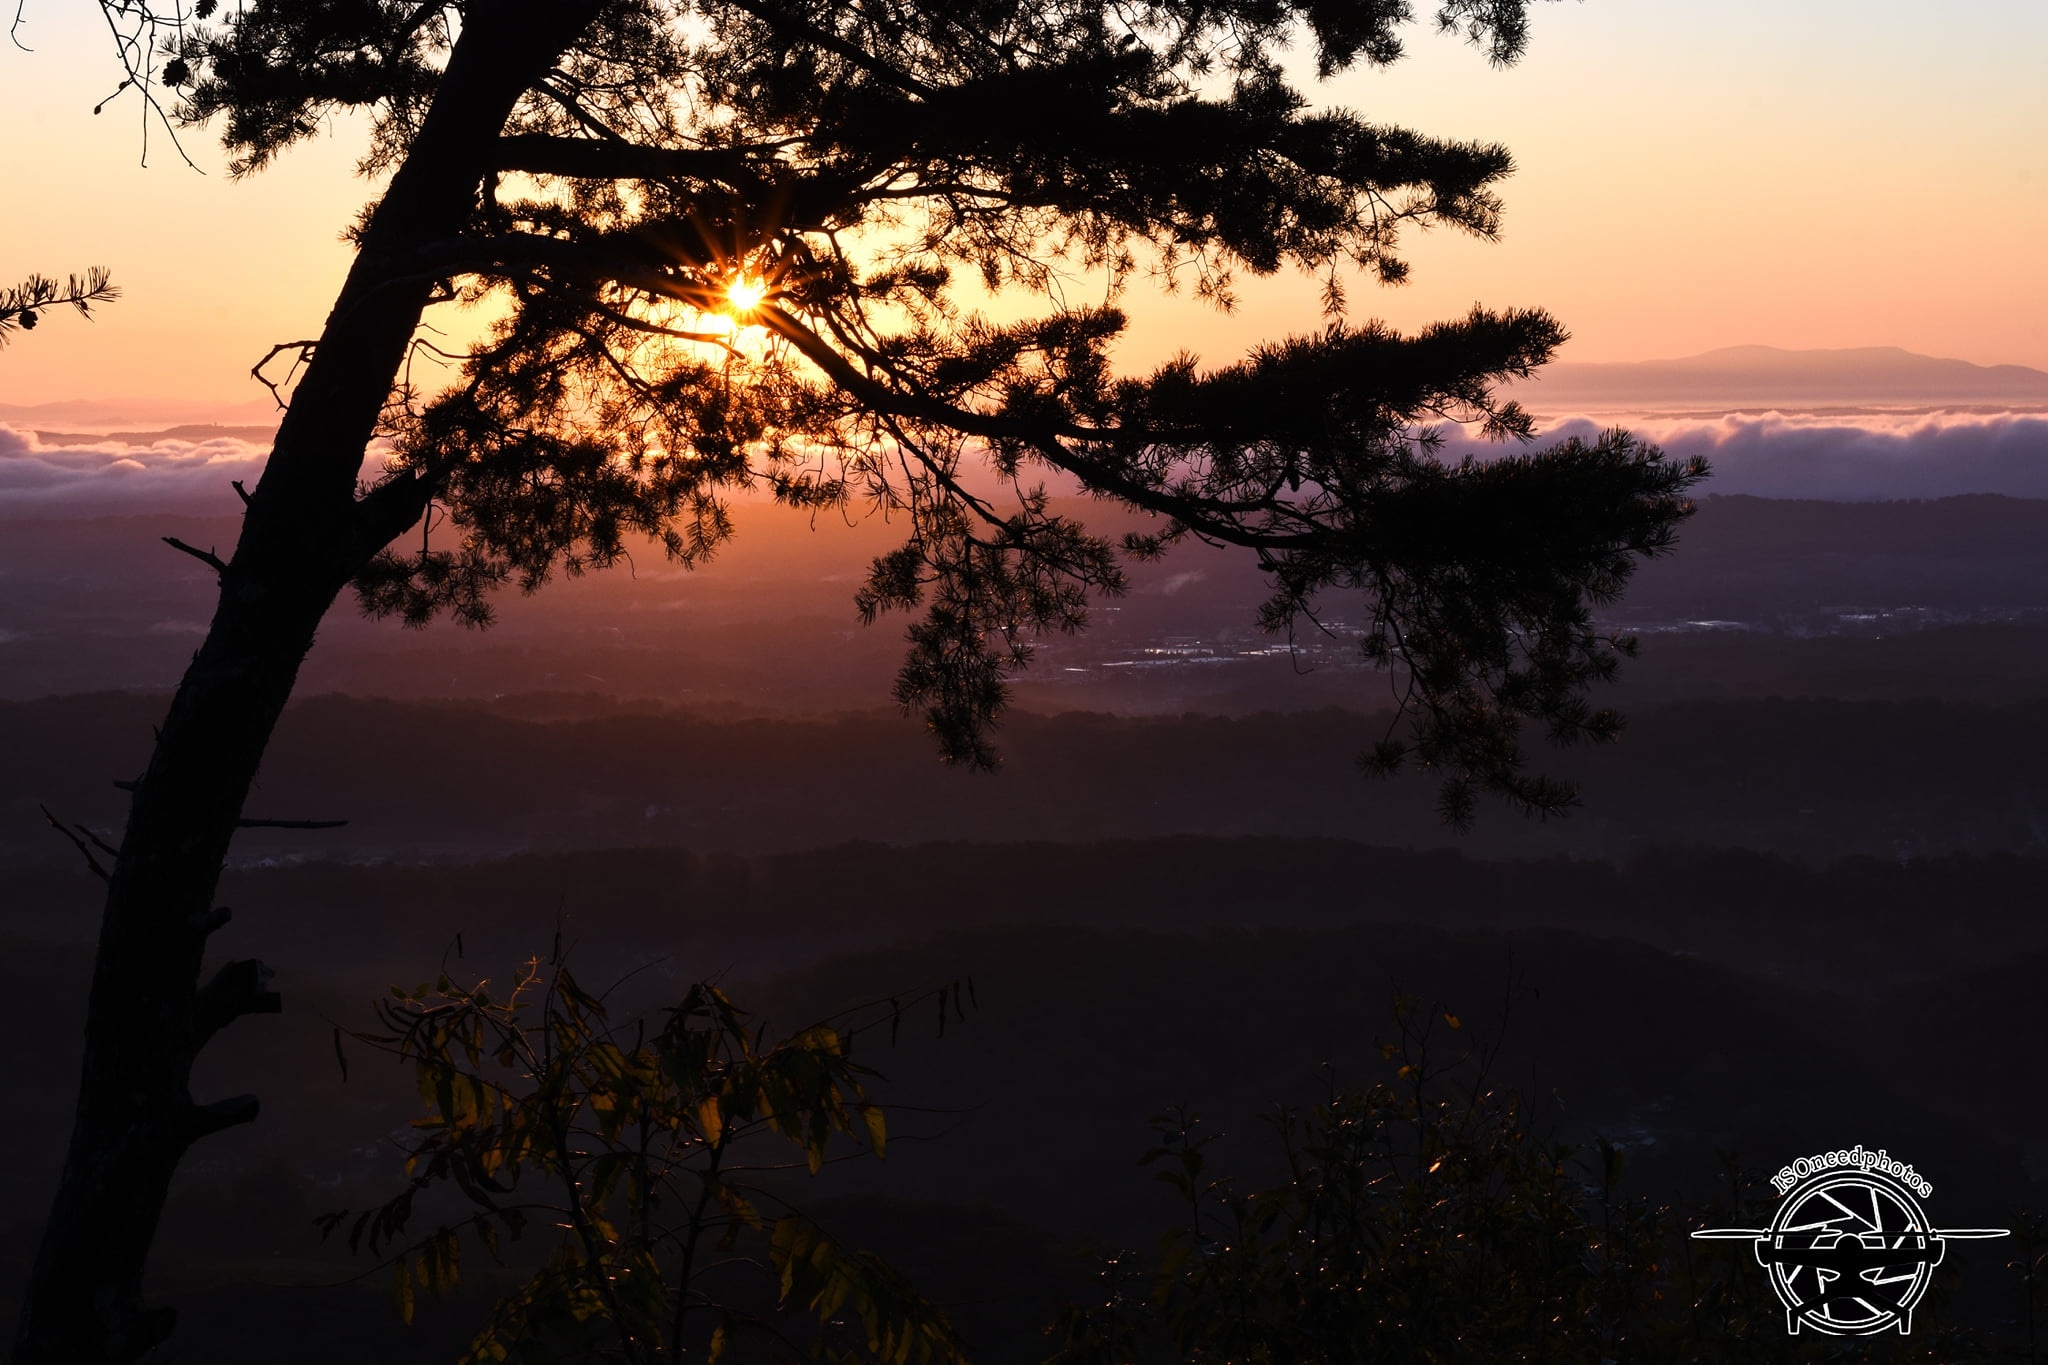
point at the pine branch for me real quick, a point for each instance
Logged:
(22, 305)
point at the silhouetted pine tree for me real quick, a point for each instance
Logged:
(726, 236)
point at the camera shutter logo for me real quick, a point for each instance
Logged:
(1851, 1251)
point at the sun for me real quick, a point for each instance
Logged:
(745, 293)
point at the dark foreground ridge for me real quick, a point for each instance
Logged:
(1681, 1006)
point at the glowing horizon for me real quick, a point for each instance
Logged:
(1690, 177)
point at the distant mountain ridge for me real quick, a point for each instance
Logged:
(1752, 375)
(200, 432)
(136, 413)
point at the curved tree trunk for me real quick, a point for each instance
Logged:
(305, 534)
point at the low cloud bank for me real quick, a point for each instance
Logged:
(1774, 455)
(182, 477)
(115, 478)
(1867, 458)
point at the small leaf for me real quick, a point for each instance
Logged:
(878, 1128)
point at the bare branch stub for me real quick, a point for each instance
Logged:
(206, 557)
(238, 988)
(78, 835)
(276, 386)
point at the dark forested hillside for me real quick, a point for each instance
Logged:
(1814, 778)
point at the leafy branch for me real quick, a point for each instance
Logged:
(641, 1148)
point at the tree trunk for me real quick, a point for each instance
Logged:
(304, 536)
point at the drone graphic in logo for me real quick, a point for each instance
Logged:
(1850, 1251)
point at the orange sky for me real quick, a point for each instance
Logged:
(1692, 175)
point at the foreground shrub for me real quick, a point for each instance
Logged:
(643, 1157)
(1425, 1221)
